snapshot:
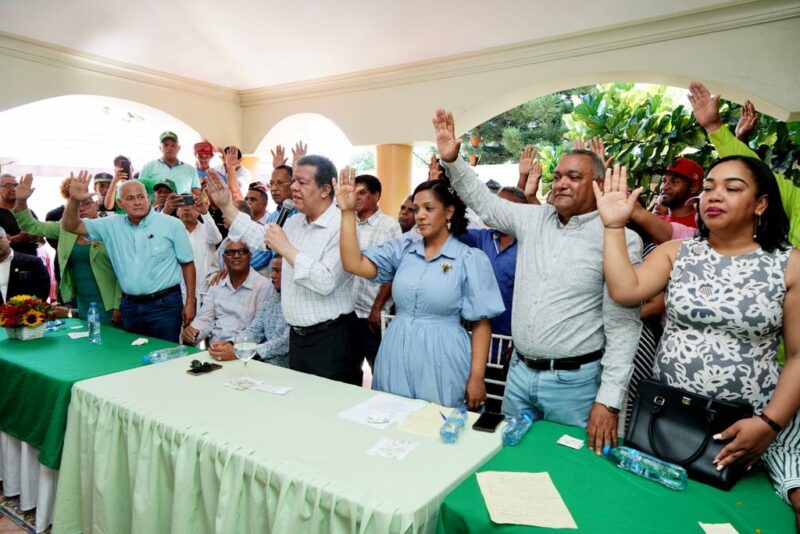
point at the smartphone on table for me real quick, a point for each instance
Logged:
(488, 421)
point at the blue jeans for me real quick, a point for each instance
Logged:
(564, 397)
(160, 318)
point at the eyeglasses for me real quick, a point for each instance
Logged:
(275, 185)
(9, 186)
(237, 252)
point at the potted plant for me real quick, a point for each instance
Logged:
(25, 316)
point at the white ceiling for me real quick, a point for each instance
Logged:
(248, 44)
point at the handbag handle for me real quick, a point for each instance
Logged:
(656, 411)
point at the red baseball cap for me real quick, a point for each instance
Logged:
(203, 147)
(686, 168)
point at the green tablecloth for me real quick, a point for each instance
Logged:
(36, 377)
(604, 498)
(156, 450)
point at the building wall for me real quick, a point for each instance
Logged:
(744, 51)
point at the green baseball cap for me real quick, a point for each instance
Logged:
(168, 135)
(169, 184)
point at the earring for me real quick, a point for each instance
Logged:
(448, 225)
(756, 225)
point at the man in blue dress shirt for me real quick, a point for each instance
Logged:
(149, 251)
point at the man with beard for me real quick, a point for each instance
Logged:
(681, 182)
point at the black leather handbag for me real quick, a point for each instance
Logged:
(677, 427)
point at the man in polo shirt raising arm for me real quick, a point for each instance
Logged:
(169, 167)
(149, 251)
(573, 345)
(316, 294)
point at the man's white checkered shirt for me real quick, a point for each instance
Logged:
(316, 289)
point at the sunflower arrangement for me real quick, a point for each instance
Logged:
(25, 311)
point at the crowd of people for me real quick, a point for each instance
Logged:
(596, 290)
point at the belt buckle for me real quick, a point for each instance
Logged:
(299, 330)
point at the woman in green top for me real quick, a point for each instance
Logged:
(86, 271)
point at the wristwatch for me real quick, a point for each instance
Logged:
(611, 409)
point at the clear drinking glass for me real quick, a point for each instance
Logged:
(245, 347)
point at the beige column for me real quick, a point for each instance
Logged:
(250, 162)
(394, 171)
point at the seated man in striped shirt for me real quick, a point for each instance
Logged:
(232, 304)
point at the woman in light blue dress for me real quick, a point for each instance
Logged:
(437, 281)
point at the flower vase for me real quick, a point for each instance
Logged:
(25, 333)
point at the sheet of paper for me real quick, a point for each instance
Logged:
(524, 499)
(78, 335)
(395, 449)
(140, 341)
(78, 327)
(275, 390)
(242, 383)
(382, 410)
(718, 528)
(427, 421)
(569, 441)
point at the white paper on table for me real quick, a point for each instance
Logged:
(242, 383)
(78, 335)
(428, 421)
(367, 412)
(568, 441)
(524, 499)
(140, 341)
(78, 327)
(275, 390)
(395, 449)
(718, 528)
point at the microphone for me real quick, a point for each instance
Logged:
(286, 207)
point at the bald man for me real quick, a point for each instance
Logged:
(150, 252)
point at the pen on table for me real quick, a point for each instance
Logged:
(444, 417)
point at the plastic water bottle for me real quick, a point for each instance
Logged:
(93, 318)
(646, 466)
(454, 424)
(517, 427)
(163, 355)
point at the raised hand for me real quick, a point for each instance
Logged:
(705, 106)
(278, 157)
(25, 187)
(613, 201)
(299, 151)
(578, 144)
(345, 189)
(434, 170)
(745, 126)
(526, 160)
(217, 189)
(446, 141)
(230, 158)
(532, 181)
(597, 146)
(79, 186)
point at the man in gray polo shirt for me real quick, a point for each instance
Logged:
(574, 346)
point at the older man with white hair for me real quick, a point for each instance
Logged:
(150, 253)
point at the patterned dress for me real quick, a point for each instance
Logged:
(724, 326)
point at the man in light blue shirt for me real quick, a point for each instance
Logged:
(149, 252)
(169, 167)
